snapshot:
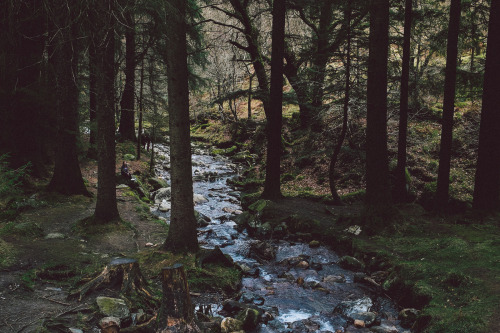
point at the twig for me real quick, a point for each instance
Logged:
(55, 301)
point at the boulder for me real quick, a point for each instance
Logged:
(113, 307)
(334, 279)
(262, 251)
(55, 235)
(384, 328)
(347, 308)
(408, 317)
(250, 319)
(164, 206)
(314, 244)
(109, 324)
(162, 194)
(157, 183)
(368, 318)
(201, 219)
(352, 263)
(229, 325)
(198, 199)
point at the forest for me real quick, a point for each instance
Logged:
(249, 166)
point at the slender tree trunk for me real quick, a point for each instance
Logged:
(67, 177)
(443, 181)
(127, 119)
(92, 152)
(141, 110)
(377, 169)
(487, 184)
(104, 40)
(274, 120)
(400, 186)
(182, 236)
(336, 152)
(250, 96)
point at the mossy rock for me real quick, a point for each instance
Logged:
(250, 319)
(7, 254)
(248, 199)
(157, 183)
(299, 224)
(352, 263)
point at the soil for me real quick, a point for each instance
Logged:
(24, 309)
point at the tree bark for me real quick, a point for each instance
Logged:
(487, 182)
(104, 41)
(92, 151)
(127, 119)
(443, 181)
(182, 236)
(67, 178)
(401, 190)
(274, 119)
(141, 110)
(377, 169)
(336, 152)
(176, 312)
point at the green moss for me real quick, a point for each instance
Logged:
(7, 254)
(353, 196)
(214, 278)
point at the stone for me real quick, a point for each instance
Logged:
(113, 307)
(251, 298)
(250, 319)
(316, 266)
(164, 193)
(109, 324)
(149, 244)
(384, 328)
(55, 235)
(229, 325)
(408, 317)
(141, 316)
(368, 318)
(359, 323)
(201, 219)
(334, 279)
(198, 199)
(352, 263)
(347, 308)
(157, 183)
(262, 250)
(75, 330)
(303, 265)
(314, 244)
(164, 206)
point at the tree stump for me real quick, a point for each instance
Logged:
(121, 274)
(176, 312)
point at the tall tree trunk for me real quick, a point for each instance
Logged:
(487, 183)
(274, 120)
(141, 110)
(336, 152)
(377, 169)
(182, 236)
(400, 185)
(127, 119)
(106, 209)
(443, 181)
(67, 177)
(249, 106)
(92, 151)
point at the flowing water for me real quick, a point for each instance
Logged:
(297, 298)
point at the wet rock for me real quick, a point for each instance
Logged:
(347, 308)
(75, 330)
(250, 319)
(214, 256)
(379, 276)
(352, 263)
(109, 324)
(359, 277)
(164, 206)
(157, 183)
(210, 326)
(306, 325)
(384, 328)
(334, 279)
(311, 282)
(408, 317)
(359, 323)
(251, 298)
(314, 244)
(303, 265)
(368, 318)
(262, 250)
(164, 193)
(201, 219)
(300, 281)
(294, 261)
(229, 325)
(232, 308)
(198, 199)
(316, 266)
(113, 307)
(140, 316)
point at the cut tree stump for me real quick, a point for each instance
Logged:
(121, 274)
(176, 312)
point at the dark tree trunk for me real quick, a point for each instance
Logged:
(377, 169)
(401, 184)
(67, 177)
(487, 183)
(127, 119)
(443, 181)
(301, 89)
(141, 110)
(92, 151)
(104, 42)
(336, 152)
(274, 120)
(249, 106)
(176, 312)
(182, 236)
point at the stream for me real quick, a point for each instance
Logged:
(302, 289)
